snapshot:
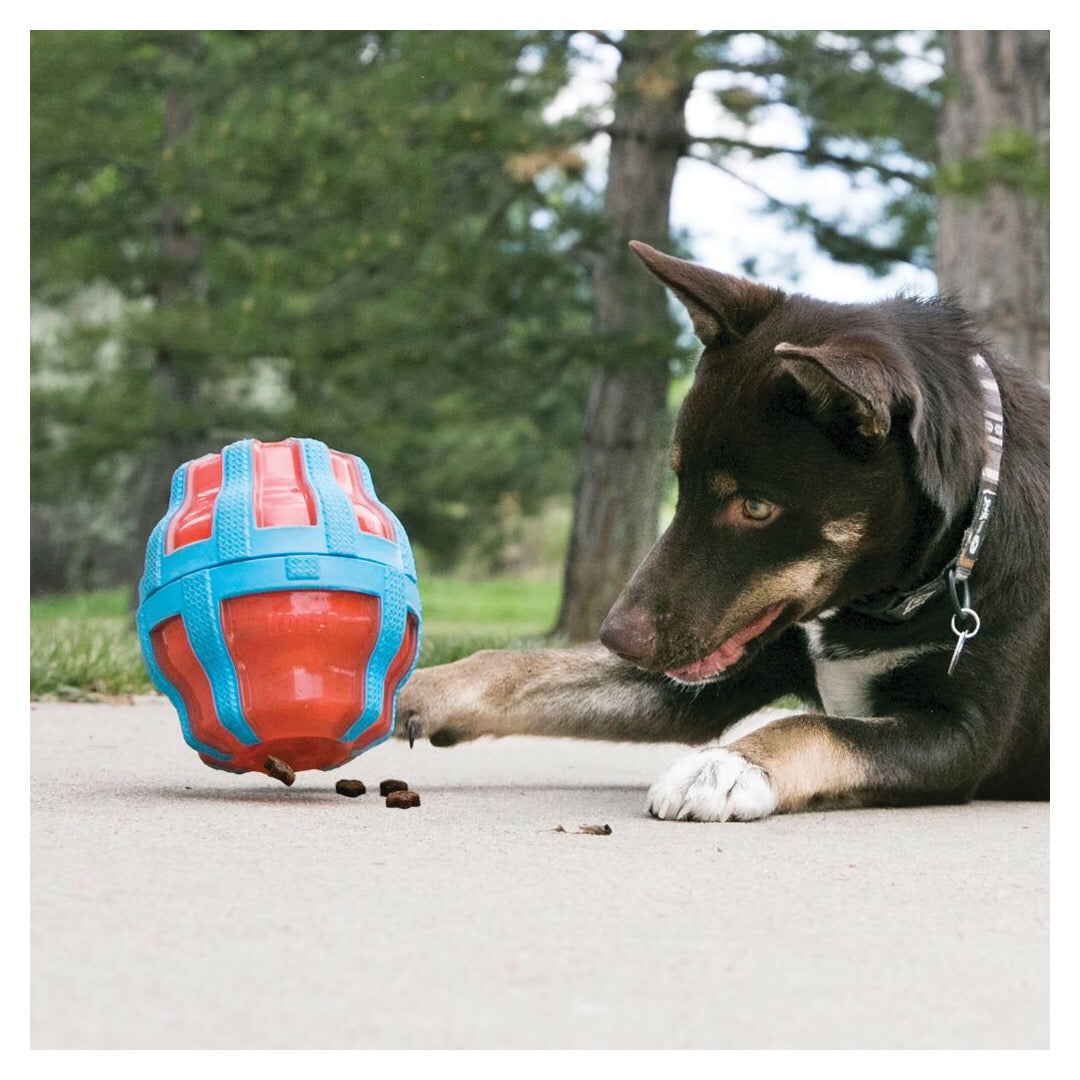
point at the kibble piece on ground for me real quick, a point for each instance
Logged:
(350, 788)
(280, 770)
(403, 799)
(392, 785)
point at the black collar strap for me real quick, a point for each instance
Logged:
(893, 606)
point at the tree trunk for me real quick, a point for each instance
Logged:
(620, 479)
(993, 247)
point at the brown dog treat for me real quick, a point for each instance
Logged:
(350, 788)
(386, 786)
(595, 830)
(280, 770)
(402, 799)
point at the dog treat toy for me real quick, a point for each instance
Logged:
(279, 610)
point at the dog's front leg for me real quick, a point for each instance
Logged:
(584, 692)
(579, 693)
(804, 761)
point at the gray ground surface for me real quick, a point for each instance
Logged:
(177, 907)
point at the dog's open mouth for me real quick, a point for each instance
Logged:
(730, 651)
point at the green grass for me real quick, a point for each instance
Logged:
(461, 616)
(85, 659)
(84, 646)
(108, 603)
(513, 606)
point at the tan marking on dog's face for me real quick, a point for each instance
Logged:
(805, 584)
(805, 762)
(676, 457)
(845, 533)
(796, 581)
(723, 484)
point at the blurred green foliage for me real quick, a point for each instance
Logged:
(1011, 156)
(381, 239)
(376, 260)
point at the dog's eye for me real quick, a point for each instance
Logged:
(758, 509)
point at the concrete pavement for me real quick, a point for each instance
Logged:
(176, 907)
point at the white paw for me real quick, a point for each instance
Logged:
(712, 785)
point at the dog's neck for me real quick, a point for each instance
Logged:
(894, 605)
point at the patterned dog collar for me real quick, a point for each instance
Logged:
(892, 606)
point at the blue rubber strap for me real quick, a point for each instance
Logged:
(282, 572)
(335, 510)
(202, 619)
(157, 677)
(393, 704)
(391, 634)
(365, 479)
(234, 514)
(408, 562)
(155, 546)
(403, 600)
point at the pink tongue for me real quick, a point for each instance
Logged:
(730, 651)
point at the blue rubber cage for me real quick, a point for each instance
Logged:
(240, 558)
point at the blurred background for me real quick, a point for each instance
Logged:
(413, 246)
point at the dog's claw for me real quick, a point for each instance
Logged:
(435, 706)
(411, 728)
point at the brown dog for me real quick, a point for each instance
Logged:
(848, 512)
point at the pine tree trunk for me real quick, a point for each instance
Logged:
(620, 479)
(993, 247)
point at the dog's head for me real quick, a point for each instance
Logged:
(808, 475)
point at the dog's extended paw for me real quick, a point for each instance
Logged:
(447, 704)
(423, 711)
(712, 785)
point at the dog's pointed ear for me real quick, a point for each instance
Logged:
(861, 386)
(850, 383)
(722, 307)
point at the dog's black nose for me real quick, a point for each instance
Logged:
(629, 632)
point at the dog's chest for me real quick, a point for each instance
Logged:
(847, 680)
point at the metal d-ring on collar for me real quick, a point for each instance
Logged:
(892, 606)
(962, 610)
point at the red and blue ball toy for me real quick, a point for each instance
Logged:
(279, 610)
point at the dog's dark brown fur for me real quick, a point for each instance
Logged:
(825, 453)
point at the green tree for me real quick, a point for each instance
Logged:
(364, 220)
